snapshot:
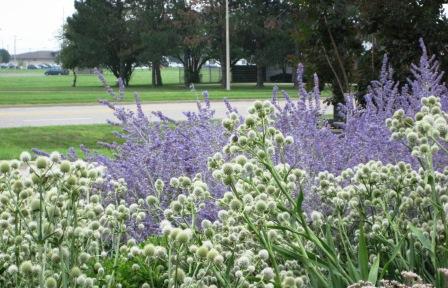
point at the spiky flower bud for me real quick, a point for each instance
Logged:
(26, 268)
(25, 156)
(51, 283)
(41, 162)
(4, 167)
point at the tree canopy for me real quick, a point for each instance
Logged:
(104, 36)
(5, 57)
(342, 40)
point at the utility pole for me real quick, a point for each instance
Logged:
(15, 51)
(227, 48)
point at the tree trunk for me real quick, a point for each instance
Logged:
(223, 71)
(153, 75)
(294, 78)
(260, 76)
(195, 76)
(124, 72)
(284, 72)
(192, 69)
(191, 76)
(158, 75)
(338, 98)
(74, 77)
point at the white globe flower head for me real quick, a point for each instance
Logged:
(5, 167)
(263, 254)
(41, 162)
(289, 140)
(165, 226)
(13, 269)
(151, 200)
(267, 274)
(51, 282)
(160, 252)
(55, 157)
(184, 236)
(25, 156)
(159, 185)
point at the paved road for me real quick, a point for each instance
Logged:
(98, 114)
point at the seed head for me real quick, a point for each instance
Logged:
(25, 156)
(5, 167)
(65, 166)
(41, 162)
(26, 268)
(51, 283)
(202, 251)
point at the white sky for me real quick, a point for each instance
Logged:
(36, 23)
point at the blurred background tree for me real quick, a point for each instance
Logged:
(153, 22)
(265, 32)
(103, 34)
(344, 41)
(395, 27)
(5, 57)
(329, 42)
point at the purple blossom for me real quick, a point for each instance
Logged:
(163, 149)
(168, 148)
(109, 90)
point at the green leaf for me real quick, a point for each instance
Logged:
(363, 257)
(294, 254)
(310, 260)
(299, 202)
(373, 274)
(351, 269)
(394, 254)
(422, 238)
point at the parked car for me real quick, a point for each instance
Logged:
(282, 78)
(56, 71)
(32, 67)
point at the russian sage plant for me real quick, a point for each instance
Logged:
(162, 149)
(382, 221)
(167, 148)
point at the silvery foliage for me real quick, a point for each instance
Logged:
(235, 250)
(57, 227)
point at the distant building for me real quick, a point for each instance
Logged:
(244, 72)
(35, 58)
(277, 73)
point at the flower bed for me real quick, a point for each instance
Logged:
(380, 219)
(275, 199)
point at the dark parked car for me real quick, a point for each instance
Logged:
(32, 67)
(282, 78)
(56, 71)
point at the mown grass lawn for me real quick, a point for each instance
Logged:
(54, 138)
(24, 87)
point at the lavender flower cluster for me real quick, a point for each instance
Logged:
(157, 147)
(166, 148)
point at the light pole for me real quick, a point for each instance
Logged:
(15, 51)
(227, 48)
